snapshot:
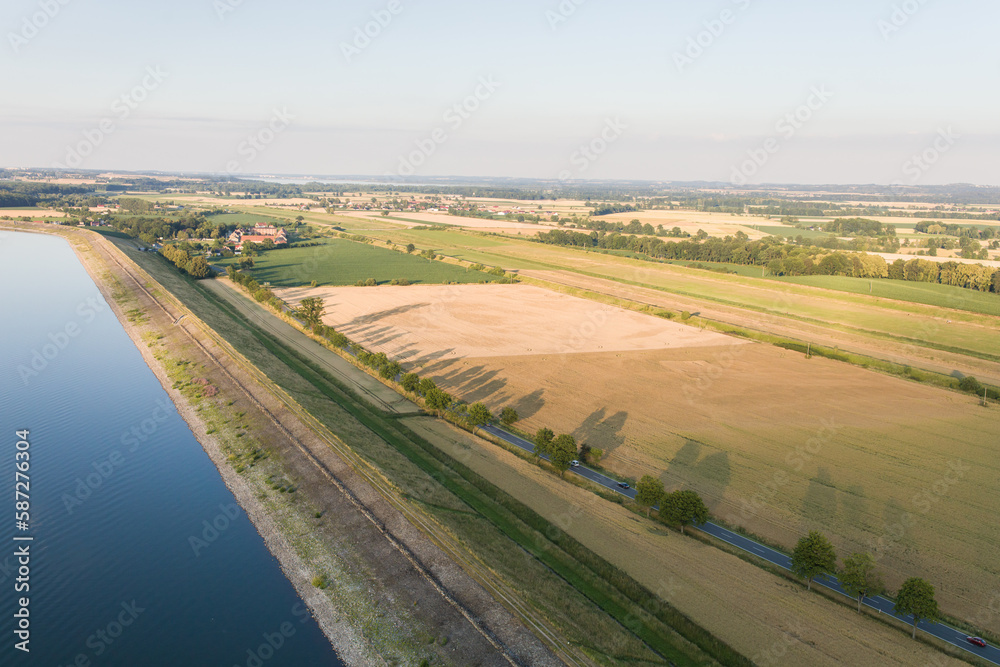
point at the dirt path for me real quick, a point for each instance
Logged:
(946, 363)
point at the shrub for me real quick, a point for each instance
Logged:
(971, 385)
(338, 339)
(410, 382)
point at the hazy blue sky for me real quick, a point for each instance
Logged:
(567, 74)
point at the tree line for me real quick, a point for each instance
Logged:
(814, 556)
(782, 259)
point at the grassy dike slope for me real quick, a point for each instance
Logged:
(520, 556)
(380, 590)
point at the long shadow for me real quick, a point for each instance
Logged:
(855, 506)
(475, 384)
(709, 475)
(372, 318)
(602, 432)
(442, 357)
(819, 505)
(528, 406)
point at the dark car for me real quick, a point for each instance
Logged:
(977, 641)
(623, 485)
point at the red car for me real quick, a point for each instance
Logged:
(977, 641)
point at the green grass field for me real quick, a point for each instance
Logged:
(341, 262)
(931, 294)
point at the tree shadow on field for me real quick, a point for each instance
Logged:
(473, 384)
(372, 318)
(600, 432)
(855, 506)
(709, 475)
(528, 406)
(441, 358)
(819, 505)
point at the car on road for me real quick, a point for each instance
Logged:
(574, 464)
(623, 485)
(977, 641)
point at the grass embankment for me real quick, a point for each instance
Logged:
(597, 607)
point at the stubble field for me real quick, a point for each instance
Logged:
(776, 443)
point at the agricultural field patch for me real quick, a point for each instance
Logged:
(343, 262)
(779, 445)
(421, 323)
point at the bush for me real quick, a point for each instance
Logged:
(410, 382)
(971, 385)
(685, 315)
(337, 339)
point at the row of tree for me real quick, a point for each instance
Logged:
(259, 293)
(815, 556)
(684, 507)
(951, 229)
(196, 267)
(785, 259)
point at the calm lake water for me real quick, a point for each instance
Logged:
(114, 578)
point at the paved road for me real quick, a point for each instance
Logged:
(883, 605)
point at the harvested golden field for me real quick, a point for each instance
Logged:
(769, 619)
(421, 323)
(776, 443)
(780, 444)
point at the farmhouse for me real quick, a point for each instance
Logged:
(258, 234)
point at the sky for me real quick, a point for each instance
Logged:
(742, 91)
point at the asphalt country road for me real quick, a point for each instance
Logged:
(883, 605)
